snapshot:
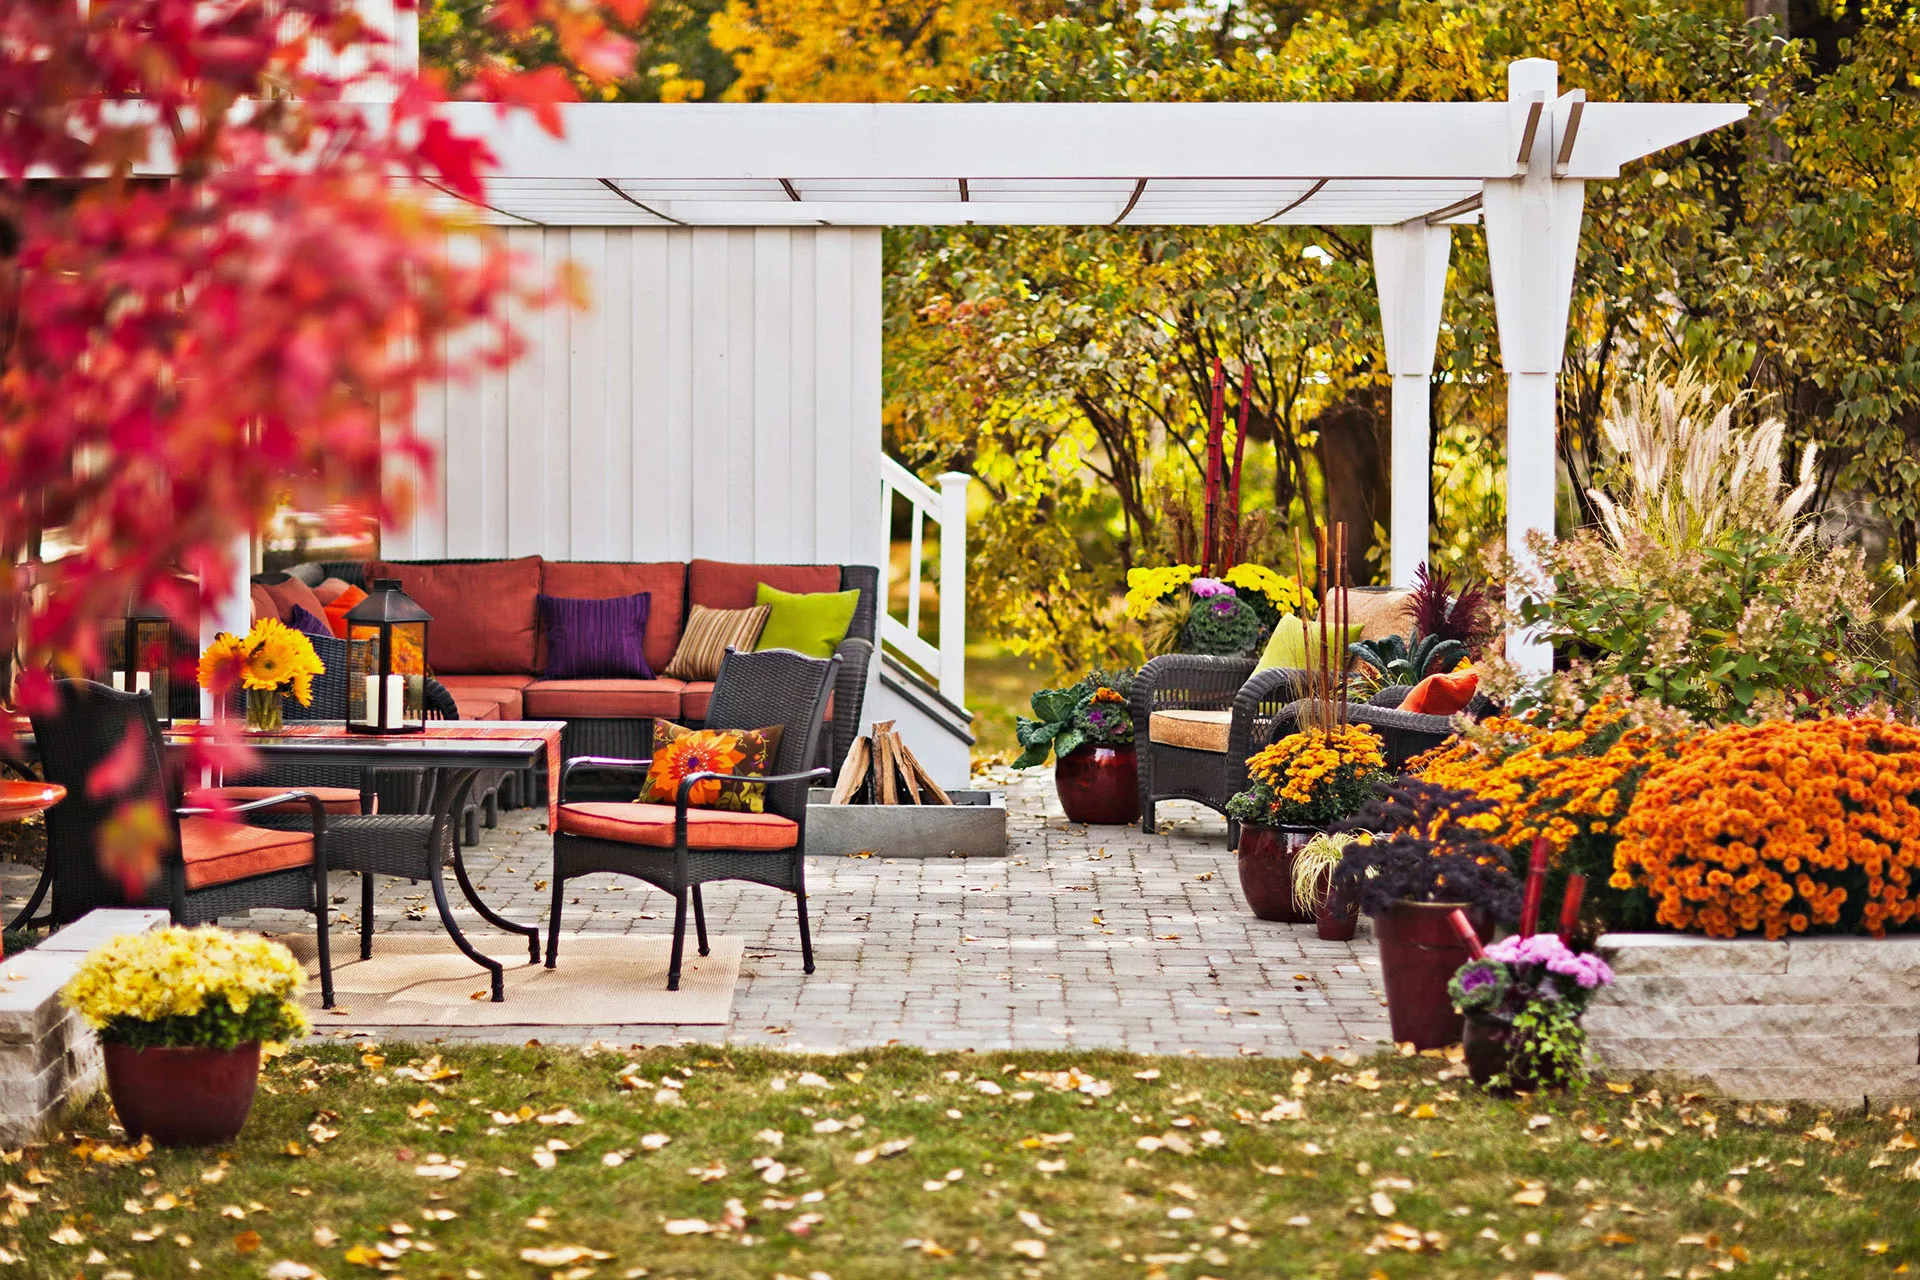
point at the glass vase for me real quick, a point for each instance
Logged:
(263, 709)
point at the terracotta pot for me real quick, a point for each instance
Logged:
(184, 1097)
(1266, 871)
(1419, 953)
(1099, 785)
(1337, 915)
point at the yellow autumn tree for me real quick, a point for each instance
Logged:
(856, 50)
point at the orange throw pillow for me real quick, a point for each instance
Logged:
(337, 609)
(1442, 694)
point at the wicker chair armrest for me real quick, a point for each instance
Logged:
(687, 784)
(197, 811)
(1406, 721)
(849, 695)
(1391, 695)
(1266, 706)
(599, 764)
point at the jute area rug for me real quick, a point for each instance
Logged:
(421, 980)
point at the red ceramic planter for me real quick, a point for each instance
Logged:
(1099, 785)
(1419, 953)
(1337, 916)
(184, 1097)
(1266, 871)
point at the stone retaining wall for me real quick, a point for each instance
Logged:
(49, 1058)
(1832, 1020)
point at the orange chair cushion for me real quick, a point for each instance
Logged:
(1442, 694)
(222, 852)
(652, 824)
(335, 800)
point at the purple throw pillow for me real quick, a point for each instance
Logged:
(303, 621)
(596, 638)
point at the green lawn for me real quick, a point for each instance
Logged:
(533, 1161)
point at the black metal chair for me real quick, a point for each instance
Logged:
(678, 849)
(106, 749)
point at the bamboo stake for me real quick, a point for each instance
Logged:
(1325, 710)
(1345, 617)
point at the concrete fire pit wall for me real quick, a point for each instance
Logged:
(1828, 1020)
(49, 1059)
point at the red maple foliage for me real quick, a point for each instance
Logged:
(223, 274)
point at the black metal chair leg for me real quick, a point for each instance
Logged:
(806, 935)
(553, 920)
(700, 919)
(33, 904)
(366, 915)
(531, 932)
(324, 944)
(492, 966)
(679, 937)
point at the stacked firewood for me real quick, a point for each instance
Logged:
(882, 769)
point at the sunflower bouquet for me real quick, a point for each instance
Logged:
(269, 662)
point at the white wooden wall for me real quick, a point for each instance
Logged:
(720, 398)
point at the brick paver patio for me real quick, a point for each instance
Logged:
(1081, 937)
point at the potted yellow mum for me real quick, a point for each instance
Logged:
(181, 1015)
(270, 662)
(1296, 789)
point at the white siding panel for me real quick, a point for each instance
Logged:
(718, 397)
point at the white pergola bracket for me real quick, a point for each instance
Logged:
(1410, 270)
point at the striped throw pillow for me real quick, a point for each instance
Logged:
(709, 632)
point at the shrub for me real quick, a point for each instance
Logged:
(1780, 827)
(1311, 778)
(201, 987)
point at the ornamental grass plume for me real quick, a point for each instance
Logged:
(1780, 827)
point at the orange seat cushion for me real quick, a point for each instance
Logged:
(608, 699)
(1442, 694)
(480, 689)
(222, 852)
(335, 800)
(476, 704)
(652, 824)
(340, 606)
(694, 699)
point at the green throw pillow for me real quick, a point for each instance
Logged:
(1297, 644)
(812, 624)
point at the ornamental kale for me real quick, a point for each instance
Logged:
(1092, 711)
(1221, 624)
(1536, 988)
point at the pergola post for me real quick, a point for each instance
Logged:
(1533, 235)
(1410, 271)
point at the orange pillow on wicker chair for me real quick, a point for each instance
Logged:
(1442, 694)
(679, 751)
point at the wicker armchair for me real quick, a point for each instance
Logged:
(679, 849)
(1203, 756)
(1408, 734)
(210, 867)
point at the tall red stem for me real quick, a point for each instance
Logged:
(1216, 415)
(1570, 905)
(1230, 556)
(1536, 885)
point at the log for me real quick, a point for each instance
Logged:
(853, 771)
(897, 748)
(919, 770)
(885, 788)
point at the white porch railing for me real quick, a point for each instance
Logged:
(945, 661)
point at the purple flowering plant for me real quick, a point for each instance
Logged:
(1535, 988)
(1208, 588)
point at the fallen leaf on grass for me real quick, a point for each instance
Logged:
(1382, 1204)
(246, 1241)
(1531, 1196)
(687, 1227)
(1035, 1249)
(563, 1255)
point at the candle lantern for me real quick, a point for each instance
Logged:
(140, 657)
(387, 661)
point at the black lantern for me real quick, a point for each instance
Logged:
(387, 661)
(140, 657)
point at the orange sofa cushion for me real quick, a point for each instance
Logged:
(335, 800)
(340, 606)
(694, 699)
(1442, 694)
(652, 825)
(480, 704)
(607, 699)
(719, 584)
(483, 613)
(664, 583)
(222, 852)
(506, 691)
(285, 595)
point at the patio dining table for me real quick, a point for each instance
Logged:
(455, 751)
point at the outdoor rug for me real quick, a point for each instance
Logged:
(420, 980)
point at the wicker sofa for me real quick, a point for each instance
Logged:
(484, 643)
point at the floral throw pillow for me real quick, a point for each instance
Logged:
(679, 751)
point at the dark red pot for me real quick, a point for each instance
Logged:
(1419, 953)
(1337, 915)
(1266, 871)
(1488, 1044)
(1099, 785)
(185, 1097)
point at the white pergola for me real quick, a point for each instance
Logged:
(1411, 171)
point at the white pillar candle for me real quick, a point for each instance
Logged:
(143, 682)
(371, 713)
(119, 682)
(396, 701)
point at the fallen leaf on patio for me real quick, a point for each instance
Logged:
(1382, 1204)
(1166, 937)
(563, 1255)
(1204, 875)
(1035, 1249)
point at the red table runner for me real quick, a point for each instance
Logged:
(438, 730)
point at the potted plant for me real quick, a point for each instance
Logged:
(1336, 914)
(1182, 610)
(1296, 788)
(181, 1015)
(1427, 858)
(1522, 1000)
(1088, 728)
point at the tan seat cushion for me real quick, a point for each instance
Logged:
(222, 852)
(608, 699)
(333, 800)
(1194, 730)
(652, 825)
(508, 696)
